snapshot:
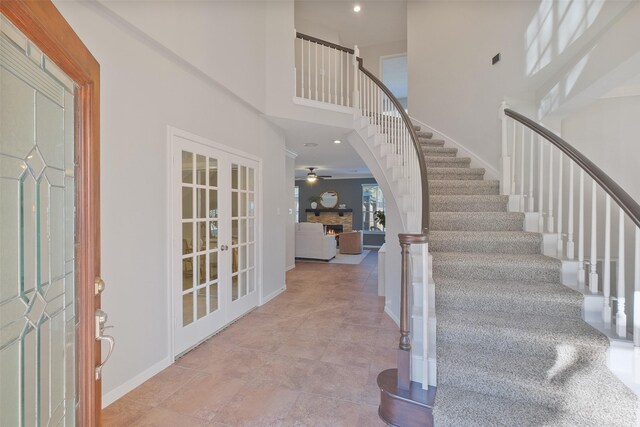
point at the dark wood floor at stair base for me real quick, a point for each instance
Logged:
(404, 408)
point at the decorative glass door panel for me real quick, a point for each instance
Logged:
(37, 235)
(214, 240)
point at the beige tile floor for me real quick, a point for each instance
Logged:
(310, 357)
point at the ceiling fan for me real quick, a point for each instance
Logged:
(313, 177)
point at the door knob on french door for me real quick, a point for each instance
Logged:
(224, 247)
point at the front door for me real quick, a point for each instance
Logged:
(49, 229)
(214, 238)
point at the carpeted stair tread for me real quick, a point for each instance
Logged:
(456, 407)
(569, 383)
(468, 203)
(488, 221)
(424, 134)
(428, 142)
(519, 334)
(504, 296)
(439, 151)
(487, 266)
(464, 187)
(447, 162)
(455, 173)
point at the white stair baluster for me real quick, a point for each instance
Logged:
(541, 185)
(348, 93)
(302, 68)
(570, 244)
(505, 173)
(621, 316)
(559, 216)
(522, 170)
(550, 195)
(636, 294)
(309, 71)
(323, 72)
(606, 267)
(315, 73)
(531, 198)
(513, 159)
(581, 263)
(593, 266)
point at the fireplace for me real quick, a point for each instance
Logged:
(333, 228)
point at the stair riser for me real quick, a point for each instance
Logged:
(455, 174)
(512, 342)
(487, 190)
(506, 304)
(424, 134)
(447, 162)
(469, 269)
(483, 382)
(476, 223)
(464, 206)
(485, 246)
(439, 151)
(425, 142)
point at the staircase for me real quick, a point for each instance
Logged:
(512, 346)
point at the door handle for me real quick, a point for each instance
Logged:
(224, 247)
(101, 320)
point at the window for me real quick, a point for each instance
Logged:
(296, 196)
(372, 202)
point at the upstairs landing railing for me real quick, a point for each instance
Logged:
(539, 168)
(334, 74)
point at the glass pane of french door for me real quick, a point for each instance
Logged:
(200, 248)
(243, 230)
(37, 235)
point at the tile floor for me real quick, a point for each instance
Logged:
(310, 357)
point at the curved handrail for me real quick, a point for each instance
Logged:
(416, 145)
(324, 43)
(621, 197)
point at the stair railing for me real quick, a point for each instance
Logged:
(330, 73)
(538, 167)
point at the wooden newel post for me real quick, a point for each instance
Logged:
(404, 347)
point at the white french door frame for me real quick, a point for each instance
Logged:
(172, 134)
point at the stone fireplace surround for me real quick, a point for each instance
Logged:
(330, 217)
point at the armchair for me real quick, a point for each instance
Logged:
(311, 242)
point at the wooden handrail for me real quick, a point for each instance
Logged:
(621, 197)
(416, 145)
(324, 43)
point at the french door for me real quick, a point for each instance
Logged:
(49, 221)
(214, 237)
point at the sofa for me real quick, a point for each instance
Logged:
(351, 242)
(313, 243)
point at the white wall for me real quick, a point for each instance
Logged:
(452, 84)
(143, 89)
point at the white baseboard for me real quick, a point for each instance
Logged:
(371, 247)
(272, 295)
(121, 390)
(391, 315)
(291, 267)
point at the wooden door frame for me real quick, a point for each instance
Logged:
(43, 24)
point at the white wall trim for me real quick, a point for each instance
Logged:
(323, 105)
(491, 171)
(290, 154)
(291, 267)
(121, 390)
(390, 313)
(272, 295)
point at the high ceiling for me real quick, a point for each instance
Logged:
(379, 21)
(338, 160)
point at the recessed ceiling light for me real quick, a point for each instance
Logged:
(357, 8)
(336, 141)
(310, 144)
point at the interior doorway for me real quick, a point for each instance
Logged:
(393, 69)
(214, 239)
